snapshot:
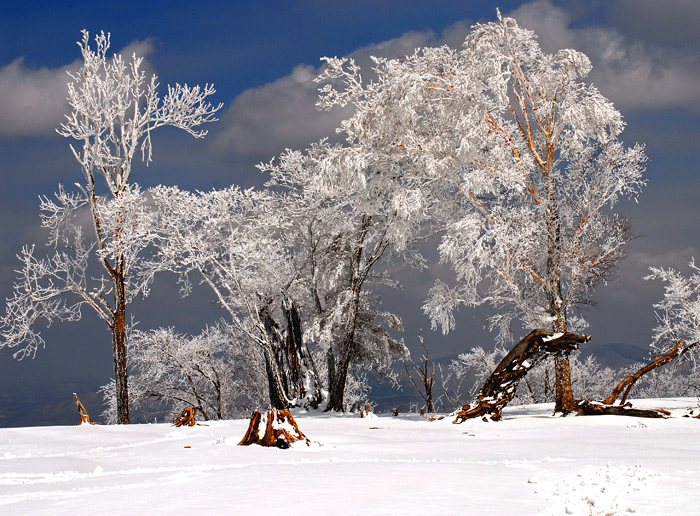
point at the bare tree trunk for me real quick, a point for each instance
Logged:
(278, 397)
(119, 347)
(564, 394)
(301, 367)
(336, 386)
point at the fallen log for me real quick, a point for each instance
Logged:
(595, 408)
(84, 416)
(187, 417)
(274, 428)
(499, 388)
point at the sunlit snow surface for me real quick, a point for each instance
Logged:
(529, 463)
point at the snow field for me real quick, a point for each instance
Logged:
(529, 463)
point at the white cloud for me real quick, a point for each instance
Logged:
(263, 121)
(632, 73)
(33, 101)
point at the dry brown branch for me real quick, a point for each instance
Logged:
(623, 388)
(628, 382)
(186, 417)
(276, 428)
(84, 416)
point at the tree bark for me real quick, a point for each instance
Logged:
(84, 416)
(499, 388)
(275, 428)
(336, 388)
(564, 394)
(119, 348)
(594, 408)
(278, 397)
(302, 372)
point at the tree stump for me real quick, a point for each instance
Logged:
(84, 416)
(274, 428)
(499, 388)
(186, 417)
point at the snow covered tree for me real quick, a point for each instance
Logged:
(232, 240)
(342, 229)
(215, 372)
(526, 160)
(114, 111)
(678, 313)
(678, 317)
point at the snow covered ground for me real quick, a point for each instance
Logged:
(529, 463)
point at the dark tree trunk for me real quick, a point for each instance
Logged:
(119, 346)
(278, 397)
(499, 388)
(299, 361)
(336, 383)
(293, 345)
(336, 388)
(273, 354)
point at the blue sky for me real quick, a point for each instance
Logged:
(261, 57)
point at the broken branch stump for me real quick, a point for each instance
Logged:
(84, 416)
(186, 417)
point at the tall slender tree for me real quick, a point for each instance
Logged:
(114, 110)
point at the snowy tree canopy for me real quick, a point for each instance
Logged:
(523, 155)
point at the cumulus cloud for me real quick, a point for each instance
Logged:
(634, 73)
(33, 100)
(263, 121)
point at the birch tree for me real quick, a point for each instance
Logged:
(114, 110)
(525, 159)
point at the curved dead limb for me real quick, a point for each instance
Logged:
(276, 428)
(628, 382)
(499, 388)
(607, 406)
